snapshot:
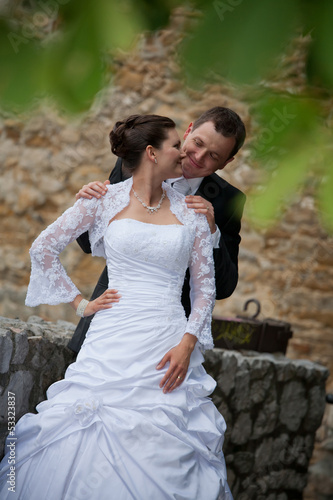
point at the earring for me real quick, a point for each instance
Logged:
(155, 160)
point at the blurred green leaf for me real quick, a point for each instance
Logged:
(292, 136)
(73, 70)
(284, 182)
(239, 40)
(69, 67)
(20, 68)
(300, 160)
(322, 49)
(284, 122)
(114, 24)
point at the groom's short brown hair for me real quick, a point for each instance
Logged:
(227, 122)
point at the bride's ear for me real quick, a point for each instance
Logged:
(150, 153)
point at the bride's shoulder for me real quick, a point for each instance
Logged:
(179, 207)
(185, 214)
(119, 186)
(118, 190)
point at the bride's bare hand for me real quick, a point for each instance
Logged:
(94, 189)
(179, 360)
(104, 301)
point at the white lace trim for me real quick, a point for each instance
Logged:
(201, 265)
(49, 283)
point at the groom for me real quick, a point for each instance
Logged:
(210, 143)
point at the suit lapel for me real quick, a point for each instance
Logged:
(210, 187)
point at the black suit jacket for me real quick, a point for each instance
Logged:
(228, 203)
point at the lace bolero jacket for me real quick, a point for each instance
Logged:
(50, 284)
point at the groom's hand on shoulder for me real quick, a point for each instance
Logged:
(94, 189)
(202, 206)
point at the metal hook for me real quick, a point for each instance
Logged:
(255, 301)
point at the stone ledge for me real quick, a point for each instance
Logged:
(272, 405)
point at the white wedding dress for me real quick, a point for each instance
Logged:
(107, 431)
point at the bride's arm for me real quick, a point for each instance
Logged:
(202, 302)
(202, 285)
(49, 283)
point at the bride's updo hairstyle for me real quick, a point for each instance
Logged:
(129, 138)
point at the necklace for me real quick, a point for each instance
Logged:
(151, 210)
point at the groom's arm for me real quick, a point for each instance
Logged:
(226, 255)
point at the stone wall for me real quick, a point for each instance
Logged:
(33, 355)
(272, 405)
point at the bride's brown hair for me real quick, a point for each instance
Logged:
(129, 138)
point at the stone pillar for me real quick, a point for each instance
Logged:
(33, 355)
(273, 407)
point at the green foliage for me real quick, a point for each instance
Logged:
(238, 39)
(68, 64)
(242, 41)
(58, 48)
(20, 73)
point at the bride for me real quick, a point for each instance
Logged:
(131, 420)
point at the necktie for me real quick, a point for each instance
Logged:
(182, 186)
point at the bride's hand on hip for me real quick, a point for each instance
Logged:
(179, 359)
(94, 189)
(104, 301)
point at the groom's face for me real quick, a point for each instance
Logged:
(206, 151)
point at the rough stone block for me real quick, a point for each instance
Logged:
(242, 429)
(266, 420)
(20, 384)
(229, 368)
(6, 349)
(286, 371)
(293, 405)
(316, 398)
(260, 387)
(260, 367)
(243, 462)
(241, 398)
(21, 348)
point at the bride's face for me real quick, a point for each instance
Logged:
(170, 155)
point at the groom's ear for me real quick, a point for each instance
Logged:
(188, 130)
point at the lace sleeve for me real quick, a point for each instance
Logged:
(49, 283)
(202, 285)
